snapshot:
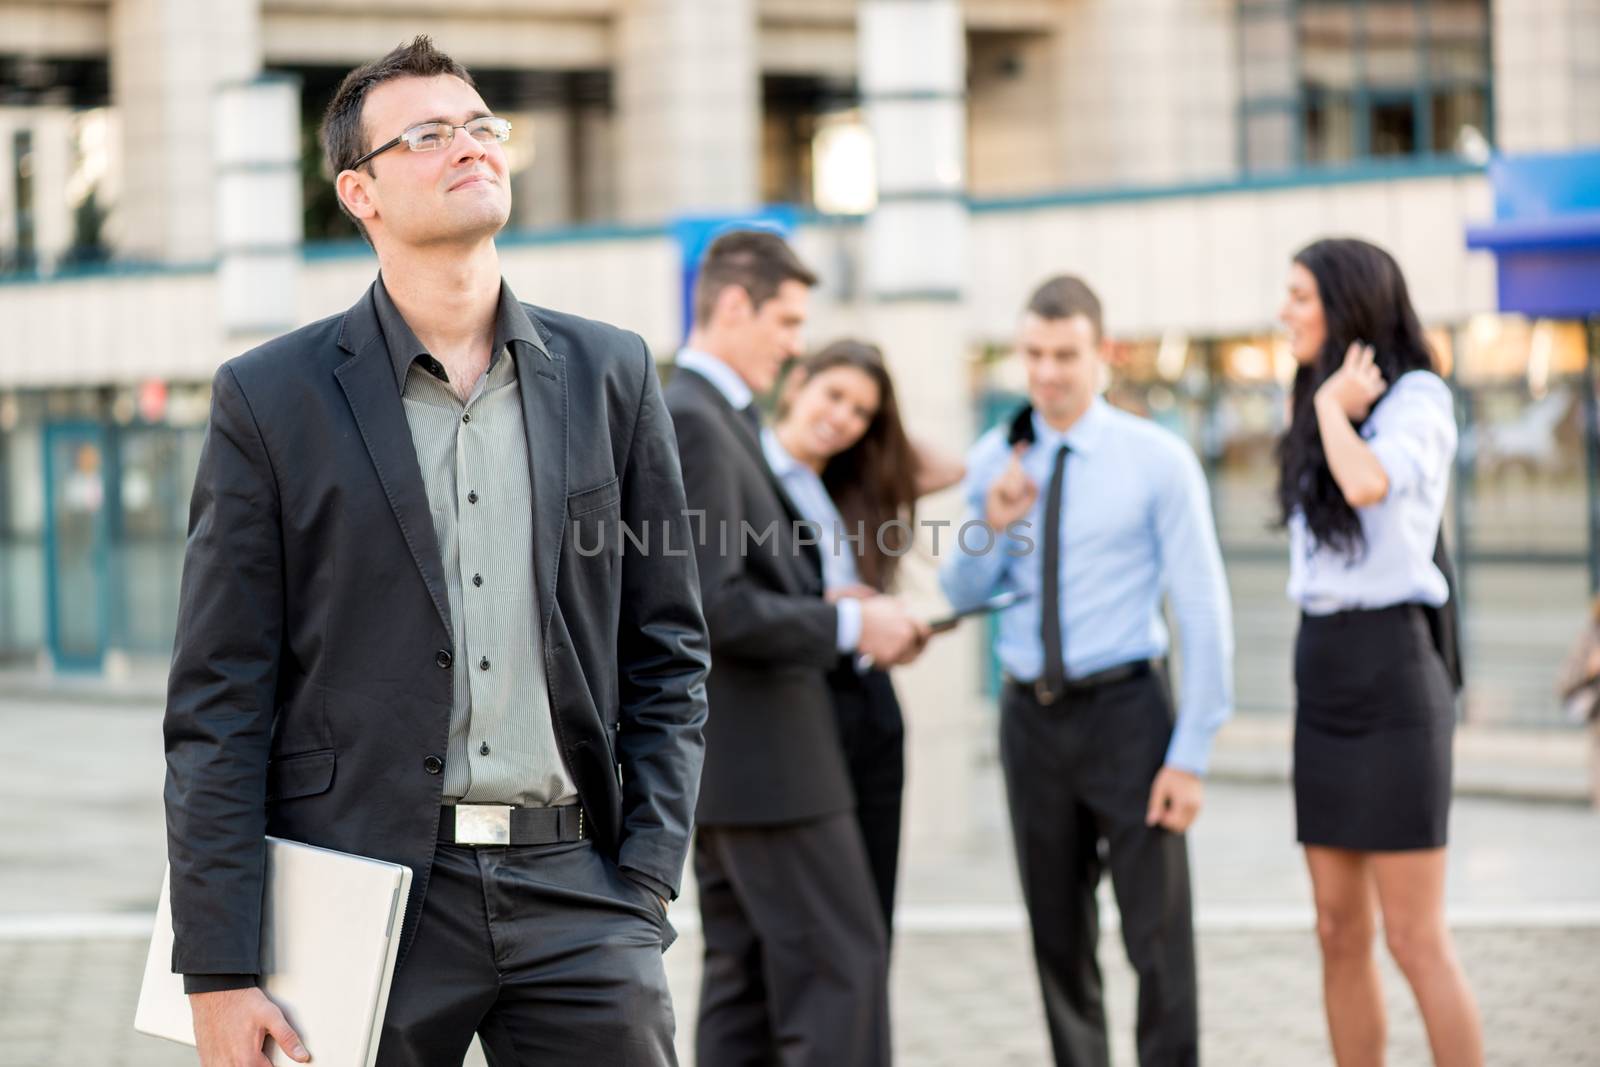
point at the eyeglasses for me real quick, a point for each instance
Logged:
(432, 136)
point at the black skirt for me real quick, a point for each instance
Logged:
(1374, 720)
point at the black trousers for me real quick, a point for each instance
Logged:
(873, 734)
(1078, 775)
(548, 953)
(796, 963)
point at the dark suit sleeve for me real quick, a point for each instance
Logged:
(216, 983)
(221, 694)
(745, 620)
(662, 656)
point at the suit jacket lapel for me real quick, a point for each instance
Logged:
(542, 379)
(752, 443)
(368, 382)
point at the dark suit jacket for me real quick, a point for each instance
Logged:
(310, 690)
(772, 749)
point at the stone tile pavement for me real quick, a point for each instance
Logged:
(960, 999)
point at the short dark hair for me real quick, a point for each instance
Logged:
(757, 261)
(343, 134)
(1064, 296)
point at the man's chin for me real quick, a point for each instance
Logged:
(1055, 410)
(468, 227)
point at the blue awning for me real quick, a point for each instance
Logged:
(1546, 233)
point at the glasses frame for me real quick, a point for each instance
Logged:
(502, 133)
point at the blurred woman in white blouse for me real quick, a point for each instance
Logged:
(1364, 471)
(844, 459)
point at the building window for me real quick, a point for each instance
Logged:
(1333, 81)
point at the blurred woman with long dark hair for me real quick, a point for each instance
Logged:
(842, 454)
(1364, 470)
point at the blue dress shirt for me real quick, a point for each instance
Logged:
(1137, 523)
(1412, 432)
(737, 393)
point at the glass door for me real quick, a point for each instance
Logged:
(76, 544)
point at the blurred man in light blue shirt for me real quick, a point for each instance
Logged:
(1095, 515)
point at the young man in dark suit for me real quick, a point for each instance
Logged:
(389, 643)
(796, 954)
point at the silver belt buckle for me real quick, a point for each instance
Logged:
(483, 824)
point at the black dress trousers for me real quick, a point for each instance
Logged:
(548, 953)
(1078, 774)
(872, 732)
(796, 963)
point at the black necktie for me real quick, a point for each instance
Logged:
(752, 415)
(1055, 669)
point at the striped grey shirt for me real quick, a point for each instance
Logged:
(474, 460)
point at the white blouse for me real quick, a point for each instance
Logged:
(806, 490)
(1412, 431)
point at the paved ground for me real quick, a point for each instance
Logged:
(75, 895)
(959, 999)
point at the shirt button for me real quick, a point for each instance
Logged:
(483, 664)
(472, 496)
(477, 579)
(483, 749)
(466, 416)
(443, 658)
(433, 764)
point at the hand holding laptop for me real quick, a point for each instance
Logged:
(229, 1026)
(330, 938)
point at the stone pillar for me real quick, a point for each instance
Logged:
(11, 120)
(259, 216)
(53, 141)
(543, 193)
(688, 97)
(1147, 91)
(912, 58)
(596, 151)
(1546, 76)
(167, 59)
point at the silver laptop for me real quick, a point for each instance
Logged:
(330, 932)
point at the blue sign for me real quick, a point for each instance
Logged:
(695, 233)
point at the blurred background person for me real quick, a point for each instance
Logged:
(796, 956)
(1365, 468)
(841, 453)
(1579, 688)
(1098, 771)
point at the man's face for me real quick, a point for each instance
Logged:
(769, 336)
(1062, 357)
(454, 194)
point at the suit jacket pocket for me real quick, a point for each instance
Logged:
(596, 499)
(594, 523)
(302, 774)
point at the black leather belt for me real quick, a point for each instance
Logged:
(501, 824)
(1087, 683)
